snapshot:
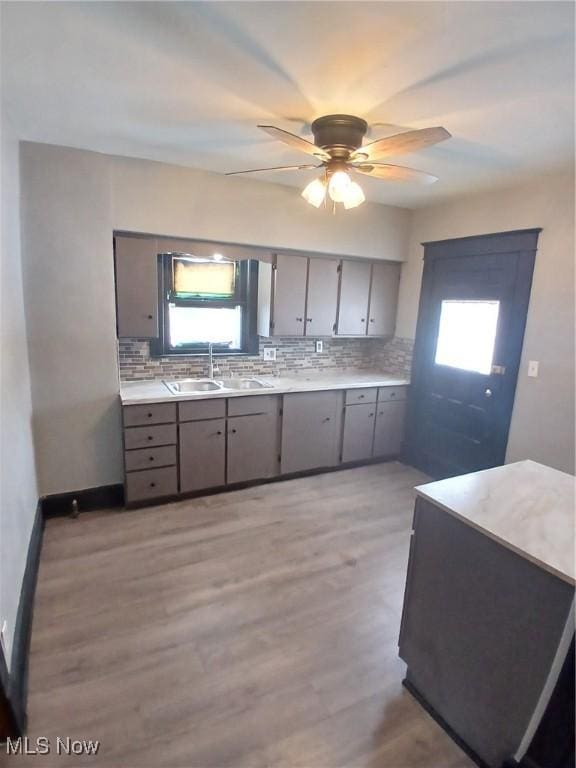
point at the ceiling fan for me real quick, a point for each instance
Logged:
(338, 149)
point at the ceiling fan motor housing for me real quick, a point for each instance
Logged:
(341, 134)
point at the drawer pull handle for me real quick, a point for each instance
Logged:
(233, 431)
(150, 458)
(361, 397)
(392, 394)
(150, 437)
(219, 432)
(149, 415)
(152, 485)
(327, 418)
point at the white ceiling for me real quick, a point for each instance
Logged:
(187, 82)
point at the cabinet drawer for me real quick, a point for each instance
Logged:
(365, 395)
(385, 394)
(158, 413)
(198, 410)
(141, 437)
(242, 406)
(145, 458)
(151, 484)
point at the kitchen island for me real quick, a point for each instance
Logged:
(488, 613)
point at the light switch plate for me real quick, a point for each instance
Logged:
(533, 366)
(319, 346)
(269, 353)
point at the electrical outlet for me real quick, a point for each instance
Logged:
(319, 346)
(269, 353)
(3, 632)
(533, 366)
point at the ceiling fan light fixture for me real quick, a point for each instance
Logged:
(354, 196)
(338, 186)
(315, 192)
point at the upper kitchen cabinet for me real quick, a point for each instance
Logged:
(137, 286)
(383, 298)
(322, 297)
(354, 297)
(282, 296)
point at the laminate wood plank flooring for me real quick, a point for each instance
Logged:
(252, 628)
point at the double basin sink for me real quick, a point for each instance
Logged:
(197, 386)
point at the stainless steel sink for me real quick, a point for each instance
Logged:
(190, 386)
(244, 383)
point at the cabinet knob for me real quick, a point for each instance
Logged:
(149, 415)
(152, 485)
(150, 437)
(392, 394)
(363, 320)
(308, 319)
(233, 431)
(150, 317)
(299, 319)
(371, 319)
(219, 432)
(150, 458)
(361, 397)
(327, 418)
(370, 414)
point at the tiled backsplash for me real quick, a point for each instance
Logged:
(292, 355)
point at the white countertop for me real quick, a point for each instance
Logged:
(144, 392)
(527, 507)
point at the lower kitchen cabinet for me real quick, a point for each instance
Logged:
(389, 429)
(358, 432)
(311, 428)
(253, 447)
(202, 454)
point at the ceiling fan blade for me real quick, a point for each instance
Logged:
(295, 141)
(275, 168)
(401, 143)
(394, 173)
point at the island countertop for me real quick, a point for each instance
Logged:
(527, 507)
(145, 392)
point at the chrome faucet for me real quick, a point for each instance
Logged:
(211, 356)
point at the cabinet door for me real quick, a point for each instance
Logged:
(202, 454)
(389, 429)
(252, 447)
(354, 290)
(322, 297)
(311, 428)
(289, 295)
(383, 299)
(137, 287)
(358, 432)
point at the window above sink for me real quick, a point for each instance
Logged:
(203, 301)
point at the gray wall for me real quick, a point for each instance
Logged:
(18, 493)
(72, 202)
(543, 419)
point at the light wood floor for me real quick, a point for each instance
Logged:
(252, 628)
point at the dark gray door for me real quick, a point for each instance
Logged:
(471, 321)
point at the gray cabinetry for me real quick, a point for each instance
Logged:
(322, 297)
(354, 293)
(358, 431)
(311, 428)
(202, 454)
(289, 295)
(137, 286)
(252, 447)
(383, 299)
(389, 429)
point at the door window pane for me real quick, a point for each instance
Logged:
(467, 335)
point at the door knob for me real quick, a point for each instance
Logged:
(488, 392)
